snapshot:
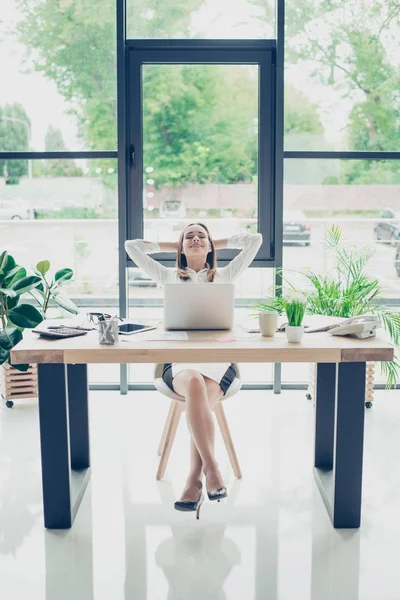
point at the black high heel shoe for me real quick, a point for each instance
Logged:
(217, 494)
(190, 506)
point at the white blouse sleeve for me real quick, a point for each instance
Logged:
(139, 251)
(249, 244)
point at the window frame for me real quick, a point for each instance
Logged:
(259, 52)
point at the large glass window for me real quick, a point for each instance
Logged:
(58, 75)
(212, 19)
(361, 197)
(200, 148)
(201, 137)
(341, 74)
(65, 213)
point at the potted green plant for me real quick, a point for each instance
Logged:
(348, 291)
(49, 289)
(14, 315)
(45, 289)
(295, 308)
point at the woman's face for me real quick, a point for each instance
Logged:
(195, 242)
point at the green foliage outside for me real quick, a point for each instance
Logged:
(355, 59)
(54, 142)
(198, 123)
(14, 135)
(198, 120)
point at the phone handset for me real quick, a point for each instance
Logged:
(362, 326)
(358, 319)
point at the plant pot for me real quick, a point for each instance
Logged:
(268, 323)
(16, 384)
(294, 334)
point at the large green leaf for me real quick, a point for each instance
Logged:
(15, 335)
(26, 284)
(10, 264)
(43, 266)
(12, 302)
(9, 338)
(19, 367)
(7, 264)
(5, 340)
(63, 275)
(25, 315)
(4, 355)
(3, 260)
(66, 303)
(7, 292)
(16, 273)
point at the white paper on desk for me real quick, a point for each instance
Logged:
(166, 336)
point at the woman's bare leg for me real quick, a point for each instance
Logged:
(201, 393)
(214, 393)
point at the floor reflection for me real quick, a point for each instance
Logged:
(20, 489)
(335, 560)
(196, 561)
(69, 557)
(198, 556)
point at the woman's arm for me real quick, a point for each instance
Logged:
(139, 251)
(249, 244)
(220, 244)
(168, 246)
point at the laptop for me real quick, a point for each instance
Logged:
(199, 305)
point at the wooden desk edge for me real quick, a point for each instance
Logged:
(367, 354)
(217, 354)
(19, 357)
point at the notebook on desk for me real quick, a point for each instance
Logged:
(199, 306)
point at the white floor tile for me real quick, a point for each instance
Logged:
(271, 539)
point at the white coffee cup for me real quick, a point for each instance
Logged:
(268, 323)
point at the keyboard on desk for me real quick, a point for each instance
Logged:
(58, 333)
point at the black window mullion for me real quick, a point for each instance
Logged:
(134, 151)
(263, 57)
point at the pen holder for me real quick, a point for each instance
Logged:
(108, 332)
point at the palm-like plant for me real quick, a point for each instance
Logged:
(352, 292)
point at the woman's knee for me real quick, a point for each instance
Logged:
(189, 382)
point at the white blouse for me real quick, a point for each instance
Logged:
(140, 251)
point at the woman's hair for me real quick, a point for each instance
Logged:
(181, 262)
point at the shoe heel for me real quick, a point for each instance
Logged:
(199, 507)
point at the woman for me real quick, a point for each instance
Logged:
(202, 385)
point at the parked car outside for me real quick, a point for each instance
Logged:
(397, 260)
(173, 209)
(138, 278)
(11, 209)
(387, 229)
(296, 230)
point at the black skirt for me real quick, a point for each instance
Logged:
(224, 384)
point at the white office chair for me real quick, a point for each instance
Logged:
(177, 406)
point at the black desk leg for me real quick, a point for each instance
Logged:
(325, 415)
(340, 479)
(62, 488)
(78, 416)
